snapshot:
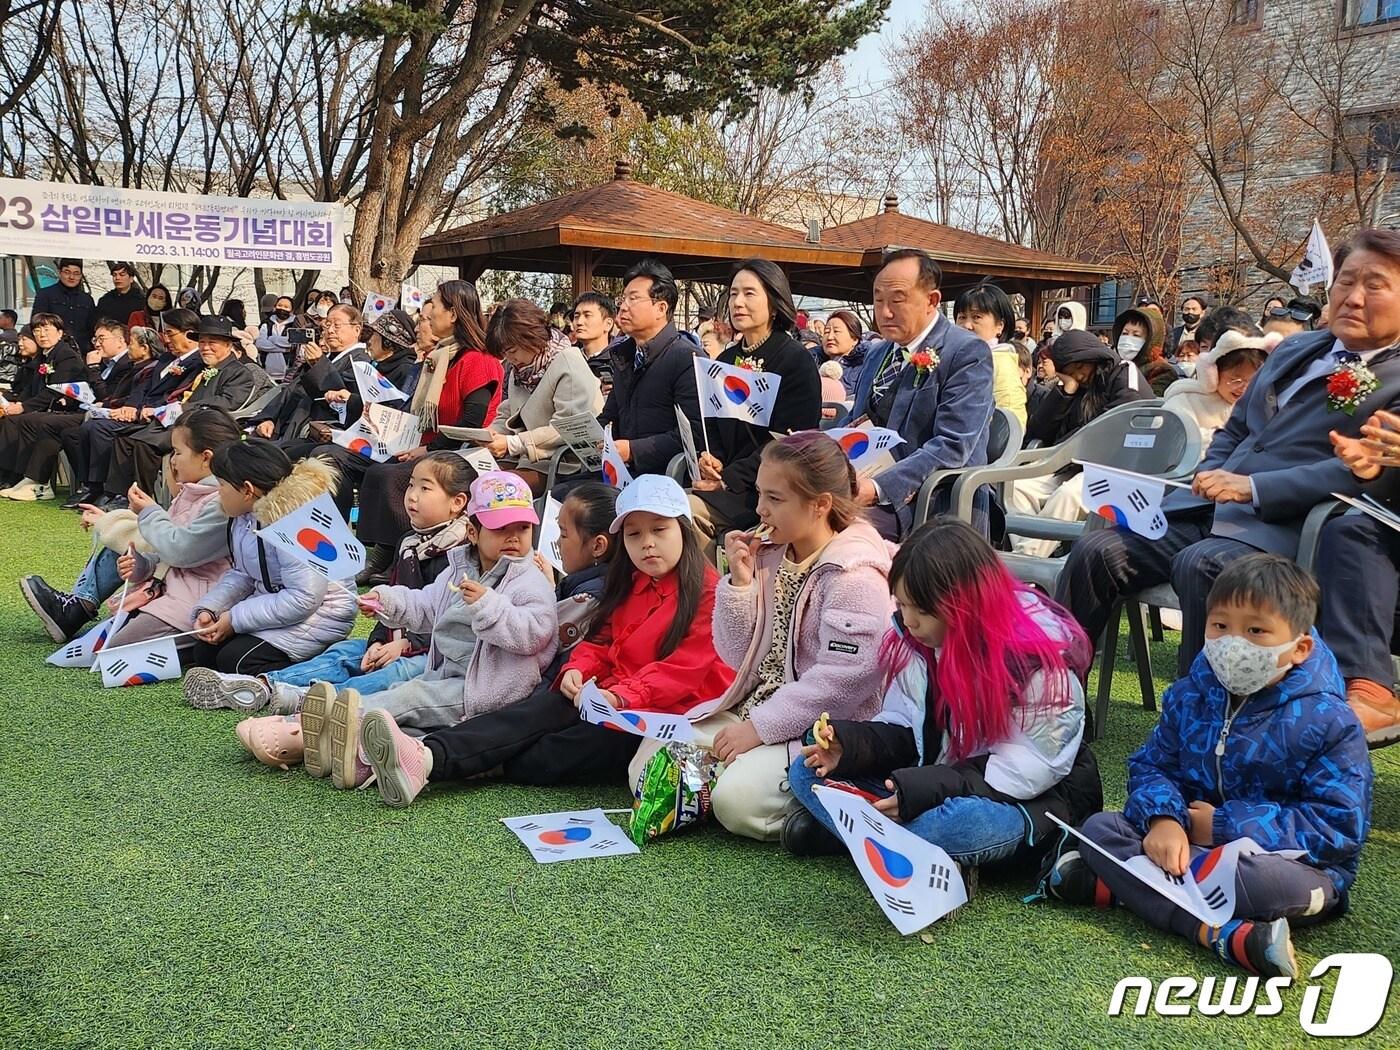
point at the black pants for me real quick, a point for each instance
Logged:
(383, 519)
(136, 458)
(1107, 565)
(1357, 567)
(39, 441)
(539, 740)
(352, 468)
(241, 654)
(89, 449)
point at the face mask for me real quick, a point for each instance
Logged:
(1129, 346)
(1188, 367)
(155, 305)
(1243, 667)
(1190, 320)
(1064, 324)
(282, 315)
(320, 311)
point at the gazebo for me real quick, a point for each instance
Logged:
(602, 230)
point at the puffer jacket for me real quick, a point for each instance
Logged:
(1044, 767)
(833, 644)
(187, 546)
(1288, 768)
(498, 647)
(273, 594)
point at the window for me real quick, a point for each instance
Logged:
(1357, 14)
(1109, 300)
(1371, 137)
(1244, 12)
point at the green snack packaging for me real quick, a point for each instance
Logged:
(674, 791)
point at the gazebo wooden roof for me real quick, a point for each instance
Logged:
(602, 230)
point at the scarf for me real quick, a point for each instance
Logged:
(435, 542)
(431, 380)
(530, 375)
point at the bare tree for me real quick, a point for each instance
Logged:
(32, 21)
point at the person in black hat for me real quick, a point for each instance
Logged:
(225, 380)
(392, 348)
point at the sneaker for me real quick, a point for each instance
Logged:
(91, 497)
(208, 690)
(348, 771)
(274, 740)
(286, 699)
(314, 708)
(803, 835)
(1268, 949)
(1377, 709)
(1071, 880)
(28, 492)
(63, 615)
(400, 763)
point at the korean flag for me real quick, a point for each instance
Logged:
(580, 835)
(727, 392)
(593, 707)
(864, 445)
(376, 304)
(411, 298)
(362, 441)
(549, 534)
(143, 664)
(317, 534)
(81, 651)
(615, 472)
(79, 392)
(1133, 501)
(374, 388)
(168, 415)
(914, 882)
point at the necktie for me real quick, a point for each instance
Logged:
(639, 360)
(888, 371)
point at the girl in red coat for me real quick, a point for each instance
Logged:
(648, 648)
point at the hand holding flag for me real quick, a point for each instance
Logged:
(728, 392)
(594, 707)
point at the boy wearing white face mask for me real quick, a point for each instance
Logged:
(1257, 742)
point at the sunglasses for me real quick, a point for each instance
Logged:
(1298, 313)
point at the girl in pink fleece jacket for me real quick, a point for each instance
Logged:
(800, 615)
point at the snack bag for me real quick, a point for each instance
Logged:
(674, 791)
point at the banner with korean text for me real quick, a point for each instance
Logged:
(102, 222)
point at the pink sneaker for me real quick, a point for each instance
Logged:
(400, 763)
(273, 740)
(348, 771)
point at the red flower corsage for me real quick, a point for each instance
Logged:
(924, 362)
(1349, 385)
(44, 369)
(746, 363)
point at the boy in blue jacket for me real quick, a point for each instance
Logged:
(1257, 742)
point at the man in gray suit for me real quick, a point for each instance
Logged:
(1265, 469)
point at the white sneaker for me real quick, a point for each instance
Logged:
(208, 690)
(27, 492)
(44, 493)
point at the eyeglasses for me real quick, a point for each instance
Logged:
(1238, 385)
(633, 298)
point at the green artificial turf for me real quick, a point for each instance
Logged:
(162, 889)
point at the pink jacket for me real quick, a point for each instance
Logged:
(833, 649)
(191, 540)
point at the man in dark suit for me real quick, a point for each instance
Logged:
(225, 381)
(1266, 468)
(931, 382)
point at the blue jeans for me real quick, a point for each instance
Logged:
(99, 579)
(340, 665)
(971, 830)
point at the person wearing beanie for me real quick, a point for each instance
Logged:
(1090, 379)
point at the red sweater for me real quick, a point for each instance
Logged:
(621, 654)
(472, 370)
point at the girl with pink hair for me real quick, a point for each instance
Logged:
(982, 731)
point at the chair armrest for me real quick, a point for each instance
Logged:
(1311, 535)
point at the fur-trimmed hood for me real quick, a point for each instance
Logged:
(309, 478)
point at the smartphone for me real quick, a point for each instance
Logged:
(301, 336)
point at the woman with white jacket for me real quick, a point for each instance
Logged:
(1222, 376)
(548, 380)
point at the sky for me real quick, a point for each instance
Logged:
(868, 59)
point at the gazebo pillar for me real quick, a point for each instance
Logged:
(581, 268)
(471, 269)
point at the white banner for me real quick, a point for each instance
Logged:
(104, 222)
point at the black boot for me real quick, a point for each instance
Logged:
(376, 571)
(92, 496)
(63, 615)
(803, 835)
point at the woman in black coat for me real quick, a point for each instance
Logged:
(764, 317)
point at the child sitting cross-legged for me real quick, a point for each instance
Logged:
(980, 737)
(1256, 742)
(494, 628)
(436, 503)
